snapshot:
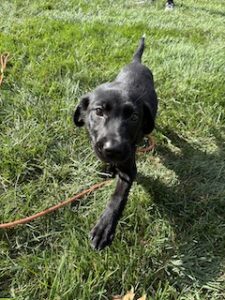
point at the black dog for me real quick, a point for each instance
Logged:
(169, 5)
(117, 115)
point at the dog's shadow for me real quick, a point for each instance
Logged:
(195, 208)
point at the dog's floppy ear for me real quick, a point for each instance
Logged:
(148, 122)
(79, 114)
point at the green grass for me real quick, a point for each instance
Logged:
(170, 241)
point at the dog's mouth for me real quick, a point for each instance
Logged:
(113, 153)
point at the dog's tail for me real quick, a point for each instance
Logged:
(138, 54)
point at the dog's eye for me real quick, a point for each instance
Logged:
(128, 111)
(99, 112)
(134, 117)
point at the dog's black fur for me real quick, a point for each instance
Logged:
(117, 115)
(170, 4)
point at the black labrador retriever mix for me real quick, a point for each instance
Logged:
(117, 115)
(170, 5)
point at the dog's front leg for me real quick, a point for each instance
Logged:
(103, 232)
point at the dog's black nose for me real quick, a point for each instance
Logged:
(112, 148)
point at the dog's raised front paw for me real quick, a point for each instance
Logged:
(103, 233)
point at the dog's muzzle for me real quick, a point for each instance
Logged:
(112, 151)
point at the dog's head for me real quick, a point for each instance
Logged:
(115, 123)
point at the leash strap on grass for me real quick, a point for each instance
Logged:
(93, 188)
(55, 207)
(3, 62)
(150, 147)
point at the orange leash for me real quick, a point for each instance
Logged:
(150, 147)
(55, 207)
(3, 62)
(93, 188)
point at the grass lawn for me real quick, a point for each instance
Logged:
(170, 242)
